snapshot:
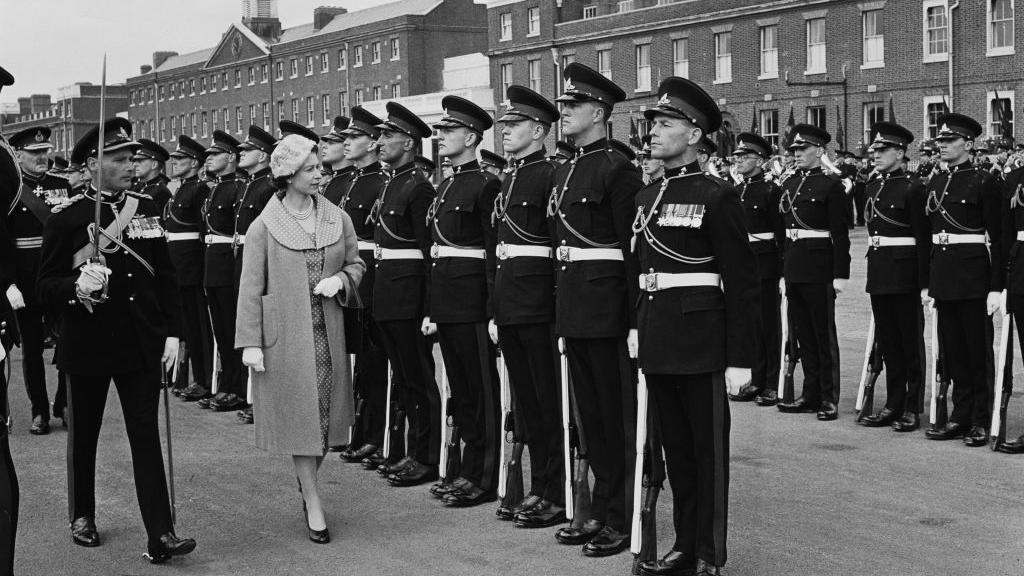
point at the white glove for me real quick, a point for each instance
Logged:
(633, 342)
(170, 355)
(926, 300)
(782, 287)
(92, 277)
(3, 353)
(492, 331)
(328, 287)
(736, 378)
(253, 358)
(561, 345)
(1003, 309)
(839, 285)
(993, 302)
(428, 328)
(15, 298)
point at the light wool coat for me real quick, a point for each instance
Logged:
(275, 314)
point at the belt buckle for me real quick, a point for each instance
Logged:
(563, 254)
(651, 282)
(435, 250)
(502, 251)
(377, 252)
(793, 234)
(944, 238)
(876, 241)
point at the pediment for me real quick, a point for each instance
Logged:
(237, 45)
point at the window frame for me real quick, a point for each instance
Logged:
(325, 104)
(764, 117)
(926, 56)
(310, 111)
(809, 71)
(395, 46)
(504, 27)
(990, 118)
(768, 54)
(864, 15)
(532, 23)
(342, 58)
(309, 64)
(866, 123)
(1009, 49)
(325, 63)
(676, 61)
(605, 54)
(643, 71)
(720, 58)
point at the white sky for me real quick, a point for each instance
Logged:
(47, 44)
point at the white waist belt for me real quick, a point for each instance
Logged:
(570, 254)
(177, 236)
(663, 281)
(506, 251)
(28, 242)
(397, 254)
(760, 236)
(947, 238)
(366, 245)
(218, 239)
(801, 234)
(437, 251)
(879, 241)
(1020, 236)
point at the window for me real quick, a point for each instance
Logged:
(533, 68)
(184, 126)
(131, 97)
(294, 67)
(343, 102)
(604, 63)
(265, 110)
(324, 62)
(589, 12)
(873, 112)
(934, 107)
(149, 92)
(506, 77)
(359, 57)
(643, 67)
(205, 125)
(769, 120)
(309, 65)
(160, 93)
(1000, 27)
(310, 110)
(224, 80)
(202, 85)
(769, 52)
(874, 41)
(816, 116)
(568, 59)
(396, 90)
(264, 73)
(213, 83)
(815, 46)
(174, 128)
(1000, 113)
(395, 52)
(181, 88)
(170, 90)
(192, 87)
(280, 111)
(239, 123)
(533, 21)
(192, 123)
(375, 53)
(251, 75)
(295, 109)
(227, 120)
(252, 114)
(152, 132)
(279, 70)
(376, 93)
(163, 129)
(216, 119)
(505, 26)
(238, 78)
(359, 97)
(625, 5)
(325, 103)
(342, 59)
(723, 57)
(936, 31)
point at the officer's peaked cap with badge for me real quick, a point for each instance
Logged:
(521, 103)
(953, 126)
(259, 139)
(890, 135)
(149, 150)
(6, 78)
(223, 142)
(188, 148)
(750, 143)
(462, 113)
(401, 119)
(490, 158)
(624, 148)
(806, 135)
(363, 123)
(682, 98)
(337, 133)
(584, 84)
(288, 127)
(117, 135)
(31, 139)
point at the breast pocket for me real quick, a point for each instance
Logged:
(528, 213)
(457, 211)
(394, 217)
(270, 318)
(583, 211)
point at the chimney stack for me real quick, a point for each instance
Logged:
(323, 15)
(145, 69)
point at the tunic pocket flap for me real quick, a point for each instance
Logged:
(394, 209)
(588, 195)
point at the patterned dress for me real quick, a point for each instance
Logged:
(324, 369)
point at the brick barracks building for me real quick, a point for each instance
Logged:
(839, 64)
(260, 74)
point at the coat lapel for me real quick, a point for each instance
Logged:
(287, 231)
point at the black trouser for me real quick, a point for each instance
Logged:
(693, 414)
(899, 331)
(139, 393)
(371, 383)
(812, 306)
(416, 390)
(196, 320)
(30, 322)
(859, 198)
(965, 334)
(531, 358)
(8, 486)
(768, 333)
(223, 301)
(603, 387)
(469, 361)
(60, 399)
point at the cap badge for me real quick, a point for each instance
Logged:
(40, 137)
(945, 128)
(664, 101)
(569, 86)
(798, 138)
(122, 133)
(878, 137)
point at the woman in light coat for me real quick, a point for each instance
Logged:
(301, 264)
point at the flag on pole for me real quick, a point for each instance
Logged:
(840, 133)
(754, 128)
(789, 127)
(892, 111)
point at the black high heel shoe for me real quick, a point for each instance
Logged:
(316, 536)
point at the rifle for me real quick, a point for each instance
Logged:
(784, 352)
(510, 473)
(451, 440)
(791, 353)
(394, 430)
(577, 468)
(650, 474)
(1003, 382)
(940, 382)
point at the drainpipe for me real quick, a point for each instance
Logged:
(950, 6)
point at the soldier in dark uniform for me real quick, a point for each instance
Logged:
(965, 206)
(461, 280)
(401, 295)
(760, 200)
(120, 321)
(356, 195)
(149, 161)
(696, 318)
(26, 210)
(183, 224)
(563, 152)
(493, 164)
(927, 164)
(524, 302)
(653, 168)
(816, 258)
(1013, 241)
(336, 167)
(592, 206)
(221, 295)
(899, 240)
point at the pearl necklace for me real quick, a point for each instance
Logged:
(301, 215)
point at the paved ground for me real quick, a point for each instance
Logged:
(807, 498)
